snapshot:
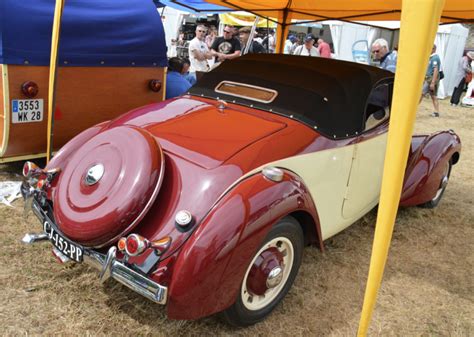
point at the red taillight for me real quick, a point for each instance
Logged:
(29, 89)
(122, 244)
(135, 244)
(29, 168)
(154, 85)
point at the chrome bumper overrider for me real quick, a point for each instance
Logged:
(109, 266)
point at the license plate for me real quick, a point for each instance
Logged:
(65, 246)
(27, 110)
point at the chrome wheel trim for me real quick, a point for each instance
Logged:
(444, 182)
(257, 302)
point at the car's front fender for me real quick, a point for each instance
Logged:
(426, 165)
(211, 265)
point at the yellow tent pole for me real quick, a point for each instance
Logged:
(284, 19)
(418, 25)
(58, 11)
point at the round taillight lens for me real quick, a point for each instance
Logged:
(154, 85)
(132, 245)
(29, 168)
(29, 89)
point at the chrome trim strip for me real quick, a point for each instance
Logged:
(272, 91)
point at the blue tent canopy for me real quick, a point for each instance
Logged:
(93, 33)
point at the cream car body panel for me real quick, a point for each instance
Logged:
(332, 176)
(365, 179)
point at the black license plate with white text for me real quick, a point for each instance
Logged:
(68, 248)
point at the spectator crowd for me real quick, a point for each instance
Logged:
(207, 50)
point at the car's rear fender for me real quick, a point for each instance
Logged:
(426, 164)
(211, 265)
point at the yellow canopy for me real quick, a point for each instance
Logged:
(453, 11)
(244, 19)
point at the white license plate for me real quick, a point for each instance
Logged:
(65, 246)
(27, 110)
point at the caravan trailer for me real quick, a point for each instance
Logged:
(111, 58)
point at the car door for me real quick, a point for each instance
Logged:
(365, 177)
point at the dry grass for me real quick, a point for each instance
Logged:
(427, 288)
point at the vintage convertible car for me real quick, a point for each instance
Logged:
(205, 202)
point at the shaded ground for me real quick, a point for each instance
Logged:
(428, 287)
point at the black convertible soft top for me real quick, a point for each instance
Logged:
(328, 95)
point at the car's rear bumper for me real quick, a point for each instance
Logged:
(108, 265)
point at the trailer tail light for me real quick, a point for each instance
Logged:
(135, 244)
(29, 89)
(29, 168)
(154, 85)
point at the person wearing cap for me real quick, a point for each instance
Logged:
(308, 48)
(387, 58)
(463, 76)
(289, 44)
(255, 47)
(324, 49)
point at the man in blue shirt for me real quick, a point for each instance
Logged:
(387, 58)
(432, 79)
(176, 83)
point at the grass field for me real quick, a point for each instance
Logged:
(428, 287)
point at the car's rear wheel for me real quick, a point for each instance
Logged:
(269, 275)
(442, 187)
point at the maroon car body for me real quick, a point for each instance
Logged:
(213, 154)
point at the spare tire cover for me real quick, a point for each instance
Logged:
(108, 185)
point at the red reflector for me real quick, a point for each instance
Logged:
(154, 85)
(30, 89)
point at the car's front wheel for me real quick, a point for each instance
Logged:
(269, 275)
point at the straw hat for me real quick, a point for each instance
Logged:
(470, 54)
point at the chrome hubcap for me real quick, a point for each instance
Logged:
(274, 277)
(94, 174)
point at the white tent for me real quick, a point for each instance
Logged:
(450, 41)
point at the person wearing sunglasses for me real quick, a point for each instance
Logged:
(226, 47)
(381, 52)
(199, 53)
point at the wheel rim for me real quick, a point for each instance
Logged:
(275, 261)
(444, 182)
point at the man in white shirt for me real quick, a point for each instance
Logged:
(308, 48)
(199, 51)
